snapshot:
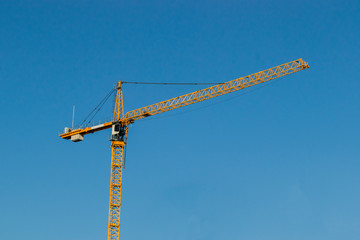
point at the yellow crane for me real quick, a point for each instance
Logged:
(121, 121)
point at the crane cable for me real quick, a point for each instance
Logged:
(211, 104)
(125, 151)
(96, 109)
(168, 83)
(103, 101)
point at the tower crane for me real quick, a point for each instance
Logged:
(121, 121)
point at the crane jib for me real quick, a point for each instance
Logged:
(190, 98)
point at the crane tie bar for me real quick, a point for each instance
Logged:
(167, 83)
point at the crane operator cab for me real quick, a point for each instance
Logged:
(118, 132)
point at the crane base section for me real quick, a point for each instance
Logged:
(117, 148)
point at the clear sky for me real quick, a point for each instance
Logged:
(278, 163)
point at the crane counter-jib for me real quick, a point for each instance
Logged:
(68, 134)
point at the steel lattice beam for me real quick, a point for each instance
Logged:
(115, 189)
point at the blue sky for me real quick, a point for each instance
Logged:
(281, 162)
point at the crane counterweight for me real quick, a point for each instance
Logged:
(77, 138)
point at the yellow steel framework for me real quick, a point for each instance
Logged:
(117, 151)
(119, 105)
(121, 121)
(115, 189)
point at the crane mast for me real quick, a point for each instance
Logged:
(120, 122)
(117, 155)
